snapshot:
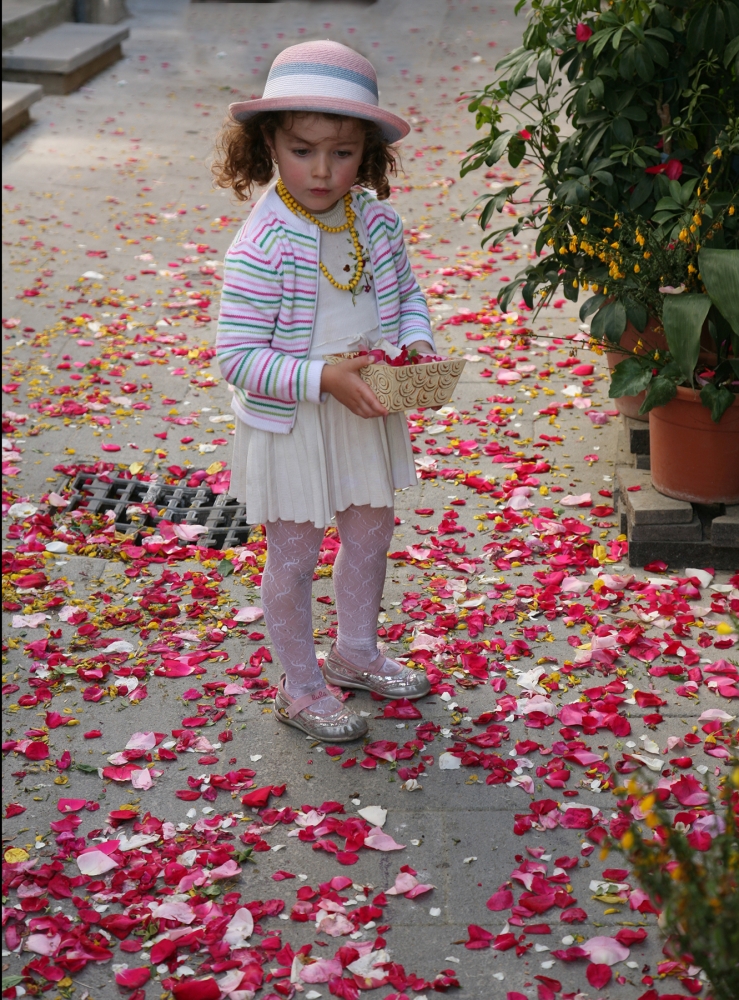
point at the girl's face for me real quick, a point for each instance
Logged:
(318, 159)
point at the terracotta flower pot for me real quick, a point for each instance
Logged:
(693, 458)
(653, 337)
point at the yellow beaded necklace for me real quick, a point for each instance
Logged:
(298, 209)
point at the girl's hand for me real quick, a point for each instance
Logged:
(344, 383)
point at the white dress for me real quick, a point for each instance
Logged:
(332, 459)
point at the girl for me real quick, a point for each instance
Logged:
(319, 268)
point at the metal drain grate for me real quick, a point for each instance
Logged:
(222, 515)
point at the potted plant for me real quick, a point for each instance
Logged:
(648, 162)
(687, 864)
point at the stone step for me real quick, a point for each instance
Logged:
(17, 99)
(64, 58)
(672, 531)
(638, 432)
(725, 529)
(644, 505)
(25, 18)
(678, 555)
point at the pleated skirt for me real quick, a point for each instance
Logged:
(331, 460)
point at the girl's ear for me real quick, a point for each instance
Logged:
(269, 143)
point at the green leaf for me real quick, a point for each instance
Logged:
(732, 51)
(665, 204)
(498, 148)
(590, 141)
(641, 192)
(718, 399)
(225, 567)
(719, 270)
(590, 305)
(86, 768)
(637, 315)
(683, 317)
(622, 131)
(609, 322)
(10, 981)
(629, 377)
(545, 66)
(604, 176)
(660, 391)
(570, 286)
(516, 151)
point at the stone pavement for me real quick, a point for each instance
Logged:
(114, 238)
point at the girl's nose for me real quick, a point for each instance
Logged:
(321, 167)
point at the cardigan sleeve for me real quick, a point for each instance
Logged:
(250, 306)
(415, 323)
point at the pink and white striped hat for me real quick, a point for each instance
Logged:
(323, 76)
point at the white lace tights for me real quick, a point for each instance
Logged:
(359, 578)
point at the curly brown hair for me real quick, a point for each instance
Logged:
(244, 160)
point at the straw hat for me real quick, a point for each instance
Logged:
(323, 76)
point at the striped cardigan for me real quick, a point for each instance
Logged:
(268, 306)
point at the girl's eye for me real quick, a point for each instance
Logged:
(300, 152)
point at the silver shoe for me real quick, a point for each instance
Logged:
(341, 727)
(408, 683)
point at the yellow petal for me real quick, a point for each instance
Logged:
(15, 854)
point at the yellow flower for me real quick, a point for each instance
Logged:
(683, 235)
(697, 219)
(627, 841)
(692, 269)
(584, 220)
(656, 355)
(647, 255)
(575, 283)
(604, 852)
(636, 268)
(717, 154)
(731, 209)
